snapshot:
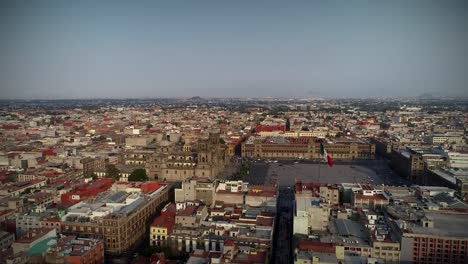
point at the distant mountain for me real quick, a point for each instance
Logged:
(195, 98)
(425, 96)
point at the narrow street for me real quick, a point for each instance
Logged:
(283, 243)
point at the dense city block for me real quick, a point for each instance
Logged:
(235, 180)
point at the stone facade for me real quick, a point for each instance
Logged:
(178, 161)
(306, 148)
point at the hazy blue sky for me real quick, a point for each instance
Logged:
(66, 49)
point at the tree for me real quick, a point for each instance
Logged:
(138, 175)
(112, 172)
(339, 134)
(384, 125)
(94, 176)
(244, 170)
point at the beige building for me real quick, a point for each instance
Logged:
(92, 164)
(310, 215)
(306, 148)
(122, 229)
(191, 216)
(196, 189)
(330, 193)
(388, 251)
(231, 192)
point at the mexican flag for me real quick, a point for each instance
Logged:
(325, 155)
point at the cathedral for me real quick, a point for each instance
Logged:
(178, 161)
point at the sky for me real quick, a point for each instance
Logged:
(149, 49)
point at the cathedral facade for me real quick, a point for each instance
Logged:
(179, 161)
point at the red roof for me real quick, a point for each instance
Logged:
(159, 258)
(370, 197)
(68, 124)
(258, 257)
(7, 212)
(261, 128)
(264, 221)
(190, 210)
(229, 243)
(87, 190)
(51, 174)
(164, 221)
(169, 210)
(150, 187)
(9, 127)
(49, 152)
(319, 247)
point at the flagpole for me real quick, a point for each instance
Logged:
(319, 171)
(320, 166)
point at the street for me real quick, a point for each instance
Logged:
(285, 172)
(282, 249)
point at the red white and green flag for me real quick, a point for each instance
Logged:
(325, 155)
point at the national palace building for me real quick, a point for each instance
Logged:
(307, 148)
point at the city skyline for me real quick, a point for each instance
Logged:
(242, 49)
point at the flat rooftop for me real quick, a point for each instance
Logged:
(451, 225)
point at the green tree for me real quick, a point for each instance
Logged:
(94, 176)
(339, 134)
(138, 175)
(384, 125)
(112, 172)
(244, 170)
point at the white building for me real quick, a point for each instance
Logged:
(310, 215)
(446, 138)
(26, 222)
(458, 160)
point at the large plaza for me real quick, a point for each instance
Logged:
(285, 173)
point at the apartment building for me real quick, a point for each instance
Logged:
(368, 197)
(456, 179)
(162, 226)
(76, 250)
(384, 242)
(412, 163)
(330, 193)
(438, 238)
(16, 189)
(90, 165)
(240, 216)
(458, 160)
(26, 222)
(196, 189)
(121, 218)
(310, 215)
(6, 240)
(446, 138)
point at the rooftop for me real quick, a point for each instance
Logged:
(349, 228)
(445, 224)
